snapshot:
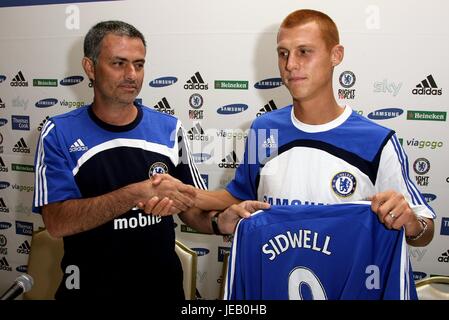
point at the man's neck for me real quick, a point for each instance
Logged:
(317, 111)
(114, 113)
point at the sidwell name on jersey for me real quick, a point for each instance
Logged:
(306, 239)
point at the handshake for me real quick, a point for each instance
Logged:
(165, 195)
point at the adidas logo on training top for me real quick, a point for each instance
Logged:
(2, 105)
(24, 248)
(78, 145)
(196, 82)
(21, 147)
(4, 265)
(270, 106)
(3, 207)
(428, 87)
(163, 106)
(19, 80)
(197, 133)
(3, 168)
(444, 257)
(230, 161)
(270, 142)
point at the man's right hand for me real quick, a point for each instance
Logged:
(170, 196)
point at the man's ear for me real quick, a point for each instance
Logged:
(89, 68)
(337, 54)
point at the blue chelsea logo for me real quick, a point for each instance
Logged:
(157, 168)
(344, 184)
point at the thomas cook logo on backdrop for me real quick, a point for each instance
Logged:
(72, 80)
(196, 82)
(427, 87)
(269, 83)
(19, 80)
(270, 106)
(45, 103)
(387, 113)
(21, 147)
(20, 122)
(163, 82)
(444, 226)
(344, 184)
(24, 228)
(232, 108)
(347, 80)
(164, 107)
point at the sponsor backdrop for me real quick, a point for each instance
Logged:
(214, 65)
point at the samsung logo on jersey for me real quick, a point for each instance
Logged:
(45, 103)
(4, 184)
(201, 157)
(269, 83)
(201, 251)
(383, 114)
(232, 108)
(163, 82)
(429, 197)
(70, 81)
(5, 225)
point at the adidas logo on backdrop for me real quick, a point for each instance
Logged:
(19, 80)
(21, 147)
(230, 161)
(197, 133)
(270, 106)
(24, 247)
(196, 82)
(164, 106)
(428, 87)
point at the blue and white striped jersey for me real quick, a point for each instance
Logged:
(287, 162)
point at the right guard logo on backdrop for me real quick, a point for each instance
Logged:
(421, 166)
(344, 184)
(347, 80)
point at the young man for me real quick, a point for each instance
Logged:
(318, 152)
(93, 167)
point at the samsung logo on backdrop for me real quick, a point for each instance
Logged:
(163, 82)
(4, 184)
(70, 81)
(418, 275)
(201, 251)
(429, 197)
(269, 83)
(22, 268)
(232, 108)
(45, 103)
(2, 78)
(200, 157)
(383, 114)
(5, 225)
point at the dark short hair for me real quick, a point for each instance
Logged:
(92, 41)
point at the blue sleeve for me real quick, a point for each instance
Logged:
(244, 184)
(54, 180)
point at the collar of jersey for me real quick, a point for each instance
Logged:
(321, 127)
(110, 127)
